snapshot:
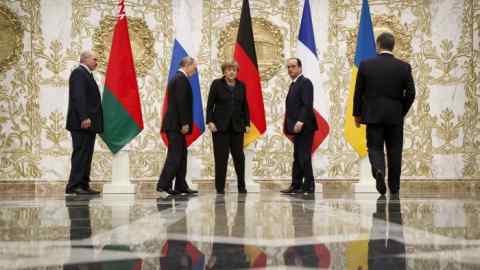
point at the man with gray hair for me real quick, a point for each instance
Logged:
(84, 121)
(176, 123)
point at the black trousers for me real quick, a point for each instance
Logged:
(225, 142)
(83, 144)
(391, 136)
(175, 165)
(302, 160)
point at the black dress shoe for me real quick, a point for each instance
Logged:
(291, 190)
(79, 191)
(242, 191)
(93, 192)
(308, 190)
(168, 191)
(221, 192)
(380, 179)
(186, 191)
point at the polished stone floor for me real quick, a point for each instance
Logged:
(257, 230)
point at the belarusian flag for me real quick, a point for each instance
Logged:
(248, 73)
(122, 112)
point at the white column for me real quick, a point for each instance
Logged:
(190, 168)
(250, 185)
(367, 182)
(120, 175)
(120, 217)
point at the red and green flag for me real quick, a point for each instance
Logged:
(122, 112)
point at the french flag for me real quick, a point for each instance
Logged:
(188, 24)
(307, 53)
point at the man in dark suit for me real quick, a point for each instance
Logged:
(384, 92)
(84, 121)
(176, 124)
(301, 125)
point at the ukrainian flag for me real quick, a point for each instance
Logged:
(356, 137)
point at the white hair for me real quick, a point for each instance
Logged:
(84, 55)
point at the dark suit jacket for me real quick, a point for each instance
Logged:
(384, 91)
(225, 106)
(299, 106)
(84, 101)
(180, 102)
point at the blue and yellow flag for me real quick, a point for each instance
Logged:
(356, 137)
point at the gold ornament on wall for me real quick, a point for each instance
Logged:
(141, 40)
(381, 24)
(11, 38)
(268, 45)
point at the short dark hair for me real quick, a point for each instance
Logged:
(386, 41)
(299, 62)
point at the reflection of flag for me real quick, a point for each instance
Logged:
(307, 52)
(173, 251)
(122, 111)
(356, 137)
(257, 258)
(248, 73)
(187, 15)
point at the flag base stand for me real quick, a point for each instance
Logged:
(120, 175)
(250, 185)
(367, 182)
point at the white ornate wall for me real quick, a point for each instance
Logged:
(441, 39)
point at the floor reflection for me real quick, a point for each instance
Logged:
(386, 247)
(240, 232)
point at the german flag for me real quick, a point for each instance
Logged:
(248, 73)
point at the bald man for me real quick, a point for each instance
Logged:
(84, 121)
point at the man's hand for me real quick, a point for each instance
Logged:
(185, 129)
(212, 127)
(247, 129)
(357, 121)
(298, 127)
(87, 123)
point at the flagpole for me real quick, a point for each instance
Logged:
(367, 182)
(250, 184)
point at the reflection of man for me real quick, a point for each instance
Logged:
(386, 249)
(317, 255)
(84, 120)
(384, 92)
(301, 124)
(229, 255)
(178, 254)
(80, 229)
(177, 123)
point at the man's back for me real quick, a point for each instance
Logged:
(384, 90)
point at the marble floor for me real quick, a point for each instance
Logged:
(257, 230)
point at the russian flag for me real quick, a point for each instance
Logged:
(307, 53)
(188, 24)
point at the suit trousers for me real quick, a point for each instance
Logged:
(302, 160)
(225, 142)
(175, 165)
(83, 143)
(391, 136)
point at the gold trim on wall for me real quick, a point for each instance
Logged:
(268, 45)
(141, 40)
(11, 38)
